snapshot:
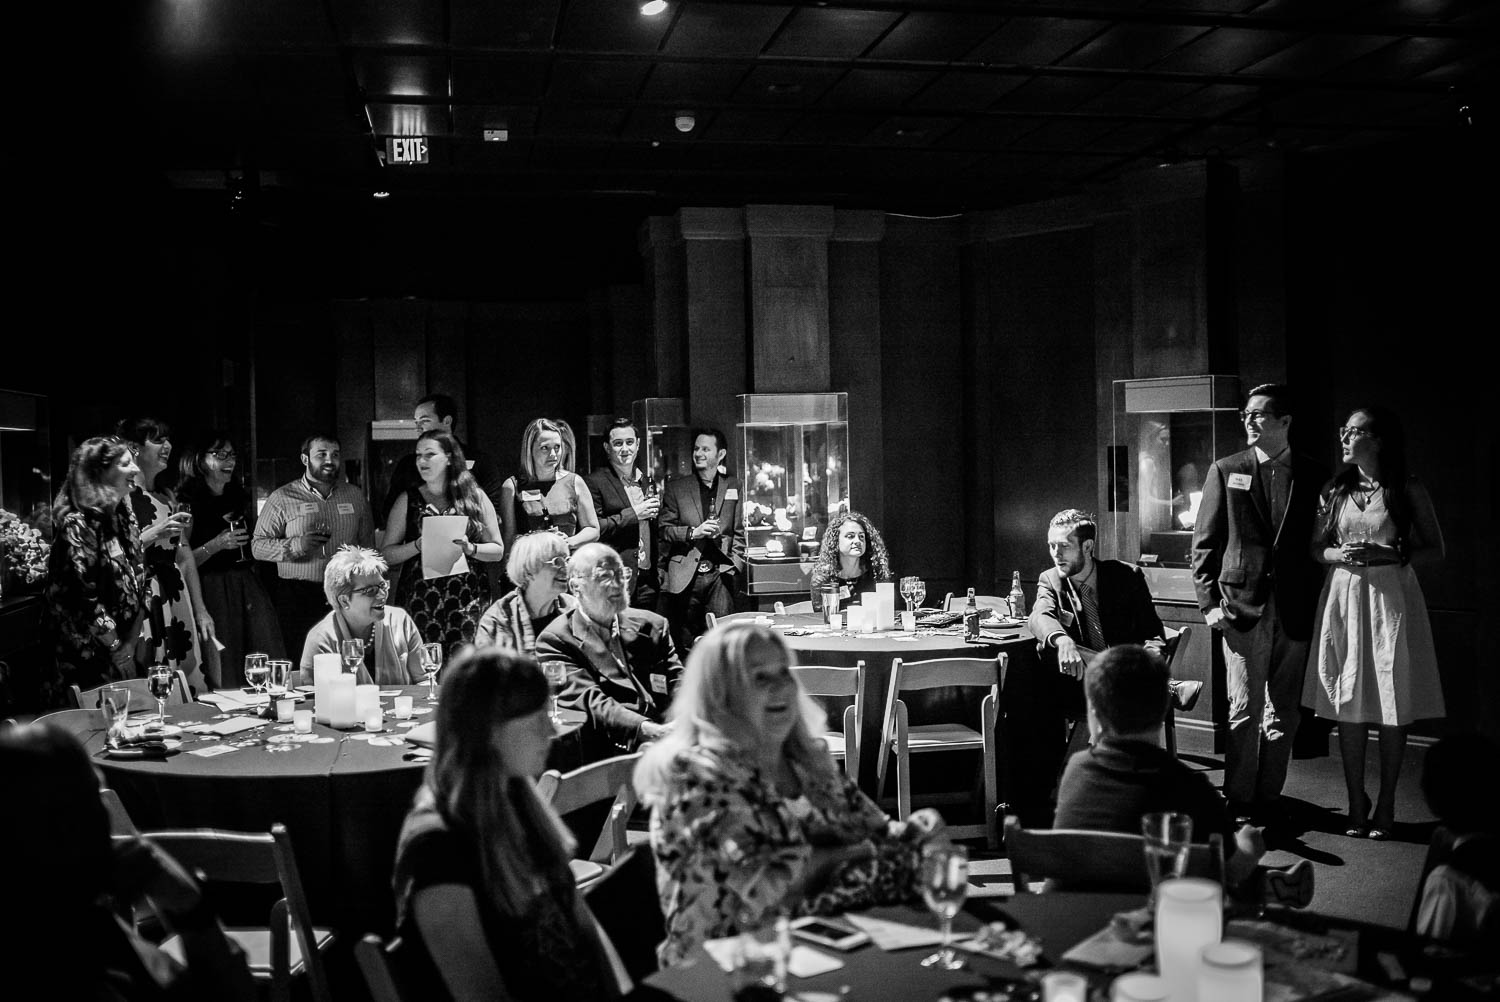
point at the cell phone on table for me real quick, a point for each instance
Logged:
(828, 932)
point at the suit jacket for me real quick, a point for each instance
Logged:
(1240, 559)
(618, 525)
(615, 708)
(681, 512)
(1126, 611)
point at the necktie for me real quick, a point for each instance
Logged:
(1093, 627)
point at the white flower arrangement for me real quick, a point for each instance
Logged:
(24, 548)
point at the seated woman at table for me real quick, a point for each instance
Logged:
(355, 584)
(538, 564)
(852, 558)
(484, 896)
(749, 815)
(68, 879)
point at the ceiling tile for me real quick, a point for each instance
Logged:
(498, 81)
(572, 121)
(1317, 54)
(1063, 134)
(830, 32)
(610, 26)
(832, 127)
(911, 131)
(933, 36)
(205, 27)
(1138, 97)
(1212, 101)
(413, 22)
(709, 82)
(470, 120)
(988, 133)
(967, 90)
(723, 30)
(795, 86)
(1036, 41)
(876, 88)
(1405, 58)
(401, 75)
(513, 24)
(735, 124)
(1054, 93)
(1226, 50)
(599, 80)
(1133, 46)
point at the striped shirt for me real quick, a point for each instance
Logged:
(293, 509)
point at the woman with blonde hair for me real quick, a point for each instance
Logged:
(538, 564)
(749, 815)
(547, 496)
(484, 896)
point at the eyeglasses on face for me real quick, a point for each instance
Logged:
(223, 455)
(374, 590)
(556, 563)
(1347, 432)
(1256, 416)
(609, 572)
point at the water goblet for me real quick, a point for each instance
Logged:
(1168, 834)
(556, 673)
(432, 661)
(257, 670)
(908, 586)
(353, 654)
(281, 677)
(159, 679)
(919, 592)
(945, 884)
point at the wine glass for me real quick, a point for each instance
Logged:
(353, 654)
(1167, 836)
(183, 508)
(945, 884)
(918, 591)
(281, 677)
(257, 671)
(159, 678)
(556, 673)
(432, 661)
(236, 523)
(908, 586)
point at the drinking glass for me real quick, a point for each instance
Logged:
(326, 530)
(908, 587)
(918, 591)
(281, 677)
(236, 523)
(432, 660)
(1168, 835)
(159, 678)
(183, 508)
(256, 670)
(114, 700)
(353, 654)
(945, 884)
(556, 673)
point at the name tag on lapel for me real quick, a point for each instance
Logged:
(1239, 481)
(659, 684)
(732, 494)
(308, 508)
(346, 508)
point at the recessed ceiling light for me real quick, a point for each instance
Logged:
(380, 194)
(651, 8)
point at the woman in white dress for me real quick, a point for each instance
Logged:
(1372, 659)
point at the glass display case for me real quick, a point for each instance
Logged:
(1167, 432)
(793, 453)
(25, 459)
(666, 450)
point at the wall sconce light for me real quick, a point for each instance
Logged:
(685, 121)
(651, 8)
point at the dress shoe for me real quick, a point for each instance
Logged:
(1185, 694)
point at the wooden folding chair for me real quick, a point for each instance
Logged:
(612, 779)
(119, 818)
(823, 680)
(1074, 859)
(140, 692)
(710, 621)
(625, 904)
(288, 945)
(898, 737)
(782, 609)
(374, 963)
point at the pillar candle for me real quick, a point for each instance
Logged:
(1230, 972)
(341, 702)
(854, 616)
(366, 701)
(1189, 916)
(326, 668)
(885, 605)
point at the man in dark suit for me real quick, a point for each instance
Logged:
(1257, 584)
(1083, 604)
(702, 558)
(626, 502)
(622, 668)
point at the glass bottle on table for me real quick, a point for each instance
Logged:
(971, 618)
(1017, 596)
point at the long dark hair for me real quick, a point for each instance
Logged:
(459, 485)
(1394, 472)
(518, 837)
(194, 475)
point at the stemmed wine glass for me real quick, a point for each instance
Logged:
(432, 660)
(257, 671)
(1167, 836)
(236, 523)
(945, 884)
(908, 588)
(353, 654)
(556, 673)
(918, 592)
(183, 508)
(159, 678)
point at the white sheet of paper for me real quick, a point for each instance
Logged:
(803, 962)
(228, 699)
(441, 556)
(894, 935)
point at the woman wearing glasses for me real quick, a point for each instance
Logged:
(223, 517)
(355, 585)
(445, 608)
(548, 496)
(538, 564)
(1372, 656)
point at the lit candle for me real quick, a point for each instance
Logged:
(341, 702)
(366, 701)
(1064, 986)
(1230, 972)
(285, 708)
(302, 721)
(326, 668)
(403, 707)
(1189, 916)
(374, 723)
(885, 605)
(1139, 987)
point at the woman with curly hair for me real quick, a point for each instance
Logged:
(96, 576)
(853, 557)
(446, 609)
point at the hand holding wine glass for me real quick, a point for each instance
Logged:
(945, 883)
(238, 535)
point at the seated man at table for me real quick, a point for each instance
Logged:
(622, 667)
(1126, 773)
(355, 585)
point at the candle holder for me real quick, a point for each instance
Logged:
(1189, 916)
(1230, 971)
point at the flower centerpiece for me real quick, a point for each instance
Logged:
(23, 551)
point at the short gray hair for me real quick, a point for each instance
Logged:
(529, 554)
(346, 565)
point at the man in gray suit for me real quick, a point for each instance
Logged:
(702, 552)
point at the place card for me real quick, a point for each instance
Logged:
(234, 725)
(209, 751)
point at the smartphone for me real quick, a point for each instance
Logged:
(826, 932)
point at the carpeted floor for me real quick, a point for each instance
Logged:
(1356, 878)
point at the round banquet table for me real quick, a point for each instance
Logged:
(342, 797)
(877, 651)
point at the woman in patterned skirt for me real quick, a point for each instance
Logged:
(446, 609)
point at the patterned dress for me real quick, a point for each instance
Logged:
(728, 847)
(446, 610)
(169, 633)
(95, 586)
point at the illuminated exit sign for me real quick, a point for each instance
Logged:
(406, 150)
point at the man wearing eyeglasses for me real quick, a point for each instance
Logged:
(622, 668)
(1257, 584)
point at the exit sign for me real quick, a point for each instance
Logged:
(406, 150)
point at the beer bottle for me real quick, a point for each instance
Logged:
(1017, 596)
(971, 618)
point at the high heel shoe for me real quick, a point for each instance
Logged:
(1359, 824)
(1383, 826)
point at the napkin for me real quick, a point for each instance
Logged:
(226, 727)
(423, 735)
(228, 699)
(894, 935)
(1107, 951)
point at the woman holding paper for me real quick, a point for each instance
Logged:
(853, 558)
(444, 592)
(749, 815)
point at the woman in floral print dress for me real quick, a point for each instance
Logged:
(750, 816)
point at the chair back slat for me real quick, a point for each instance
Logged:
(591, 783)
(826, 680)
(376, 967)
(1095, 861)
(119, 818)
(223, 856)
(917, 675)
(1175, 643)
